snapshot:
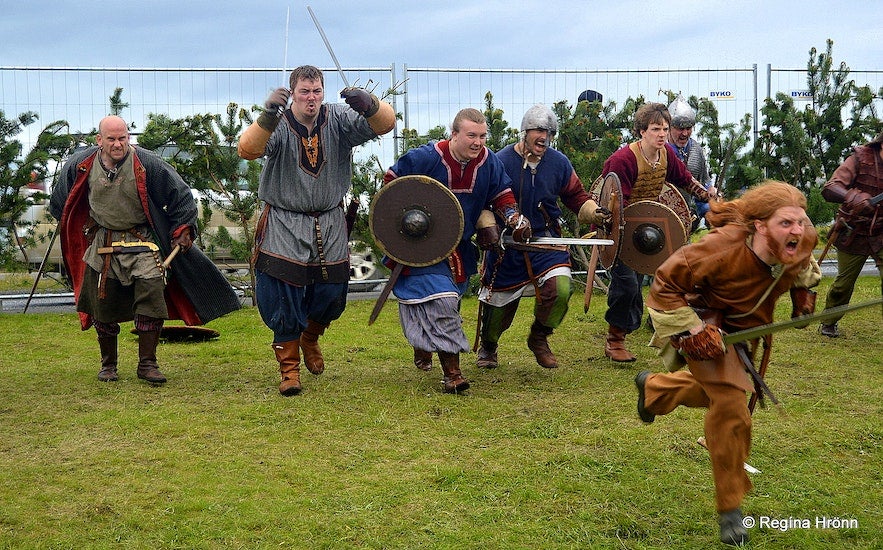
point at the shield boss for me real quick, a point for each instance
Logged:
(652, 233)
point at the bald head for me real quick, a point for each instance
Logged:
(112, 139)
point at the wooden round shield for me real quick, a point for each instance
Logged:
(671, 197)
(607, 192)
(416, 220)
(652, 233)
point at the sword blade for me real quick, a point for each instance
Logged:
(328, 45)
(507, 240)
(803, 320)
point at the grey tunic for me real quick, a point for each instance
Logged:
(303, 183)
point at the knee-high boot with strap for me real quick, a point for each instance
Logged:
(288, 355)
(309, 343)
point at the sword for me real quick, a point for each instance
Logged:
(384, 294)
(507, 240)
(803, 320)
(328, 45)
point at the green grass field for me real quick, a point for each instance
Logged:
(374, 455)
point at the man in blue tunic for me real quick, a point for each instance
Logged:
(429, 297)
(540, 176)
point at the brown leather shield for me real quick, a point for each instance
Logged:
(416, 220)
(607, 192)
(671, 197)
(652, 233)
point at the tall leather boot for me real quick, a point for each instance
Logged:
(538, 343)
(147, 366)
(454, 381)
(615, 348)
(288, 355)
(423, 359)
(108, 347)
(309, 343)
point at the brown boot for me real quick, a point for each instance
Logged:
(147, 366)
(309, 343)
(538, 343)
(108, 347)
(614, 348)
(487, 356)
(454, 381)
(423, 359)
(288, 355)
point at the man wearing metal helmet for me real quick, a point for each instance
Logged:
(683, 119)
(540, 177)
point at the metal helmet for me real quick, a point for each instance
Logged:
(540, 117)
(682, 115)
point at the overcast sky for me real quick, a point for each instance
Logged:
(479, 34)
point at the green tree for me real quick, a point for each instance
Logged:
(804, 146)
(499, 132)
(19, 169)
(202, 148)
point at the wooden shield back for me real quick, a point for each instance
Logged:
(671, 197)
(607, 192)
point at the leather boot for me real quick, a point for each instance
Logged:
(537, 342)
(423, 359)
(487, 356)
(288, 355)
(454, 381)
(309, 343)
(614, 348)
(147, 366)
(108, 347)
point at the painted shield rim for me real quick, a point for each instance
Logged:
(381, 235)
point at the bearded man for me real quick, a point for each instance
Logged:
(540, 177)
(761, 247)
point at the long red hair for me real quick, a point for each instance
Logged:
(758, 203)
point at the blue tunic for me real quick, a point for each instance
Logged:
(537, 191)
(481, 184)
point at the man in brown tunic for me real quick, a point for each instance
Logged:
(761, 247)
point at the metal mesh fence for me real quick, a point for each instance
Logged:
(426, 98)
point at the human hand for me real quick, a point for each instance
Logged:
(277, 100)
(705, 345)
(520, 226)
(803, 302)
(592, 214)
(359, 99)
(183, 240)
(858, 202)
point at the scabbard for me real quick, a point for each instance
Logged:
(760, 387)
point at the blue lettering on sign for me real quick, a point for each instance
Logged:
(801, 94)
(721, 95)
